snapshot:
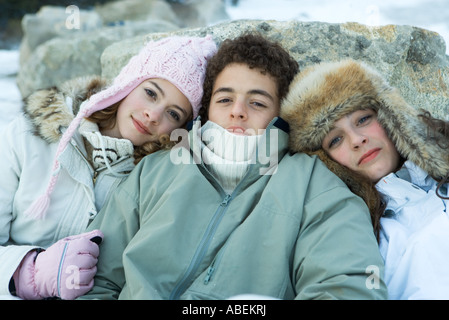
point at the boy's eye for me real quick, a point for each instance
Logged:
(224, 100)
(258, 104)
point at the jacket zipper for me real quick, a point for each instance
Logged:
(205, 242)
(214, 264)
(201, 250)
(217, 259)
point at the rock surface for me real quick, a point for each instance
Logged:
(60, 43)
(411, 58)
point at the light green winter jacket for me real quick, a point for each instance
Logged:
(171, 232)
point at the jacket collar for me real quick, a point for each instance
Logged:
(271, 148)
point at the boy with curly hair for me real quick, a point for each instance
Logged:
(231, 220)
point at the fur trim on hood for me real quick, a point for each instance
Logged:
(50, 110)
(326, 92)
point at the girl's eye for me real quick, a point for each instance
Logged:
(334, 142)
(174, 115)
(151, 93)
(364, 119)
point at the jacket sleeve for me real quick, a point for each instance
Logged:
(10, 169)
(119, 222)
(337, 255)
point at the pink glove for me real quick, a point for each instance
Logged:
(65, 270)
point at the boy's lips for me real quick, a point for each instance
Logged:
(236, 130)
(369, 155)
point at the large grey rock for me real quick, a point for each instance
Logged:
(200, 13)
(51, 51)
(411, 58)
(61, 58)
(51, 21)
(136, 10)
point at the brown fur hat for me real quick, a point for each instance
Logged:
(323, 93)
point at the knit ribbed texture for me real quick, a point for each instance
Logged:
(180, 60)
(227, 155)
(115, 149)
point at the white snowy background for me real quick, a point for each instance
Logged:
(429, 14)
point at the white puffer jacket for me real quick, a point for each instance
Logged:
(414, 237)
(25, 168)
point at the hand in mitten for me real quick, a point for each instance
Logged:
(65, 270)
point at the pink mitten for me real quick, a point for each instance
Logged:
(65, 270)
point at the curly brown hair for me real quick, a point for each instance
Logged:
(435, 125)
(257, 52)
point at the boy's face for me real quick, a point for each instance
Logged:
(360, 143)
(243, 100)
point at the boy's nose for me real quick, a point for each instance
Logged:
(239, 110)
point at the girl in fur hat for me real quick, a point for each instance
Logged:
(58, 169)
(391, 155)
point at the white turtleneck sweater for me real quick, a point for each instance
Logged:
(104, 150)
(226, 155)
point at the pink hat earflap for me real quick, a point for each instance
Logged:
(39, 207)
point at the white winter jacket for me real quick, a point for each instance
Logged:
(25, 168)
(414, 237)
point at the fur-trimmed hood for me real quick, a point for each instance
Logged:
(50, 110)
(324, 93)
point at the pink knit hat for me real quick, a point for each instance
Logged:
(180, 60)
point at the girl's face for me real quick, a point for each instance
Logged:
(153, 108)
(243, 100)
(360, 143)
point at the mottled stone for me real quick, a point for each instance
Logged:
(411, 58)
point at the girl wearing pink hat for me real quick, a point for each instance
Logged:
(72, 147)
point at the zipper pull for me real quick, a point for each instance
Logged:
(94, 178)
(210, 271)
(225, 201)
